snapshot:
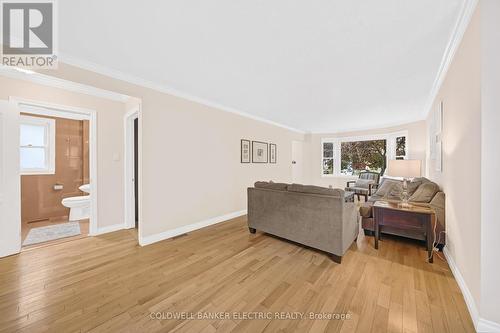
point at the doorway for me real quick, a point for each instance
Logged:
(297, 162)
(132, 170)
(57, 173)
(136, 171)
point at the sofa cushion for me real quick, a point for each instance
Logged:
(397, 190)
(425, 192)
(385, 187)
(392, 188)
(311, 189)
(271, 186)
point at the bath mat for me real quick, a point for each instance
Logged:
(51, 232)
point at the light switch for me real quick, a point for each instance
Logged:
(116, 157)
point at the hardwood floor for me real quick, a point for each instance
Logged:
(110, 284)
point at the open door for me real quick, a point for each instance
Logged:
(10, 193)
(132, 169)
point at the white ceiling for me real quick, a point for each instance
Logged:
(319, 65)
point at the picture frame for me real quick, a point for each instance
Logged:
(435, 129)
(272, 153)
(246, 152)
(260, 152)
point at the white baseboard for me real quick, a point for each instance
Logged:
(469, 300)
(110, 228)
(188, 228)
(9, 252)
(486, 326)
(481, 324)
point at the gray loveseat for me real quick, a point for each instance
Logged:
(422, 191)
(310, 215)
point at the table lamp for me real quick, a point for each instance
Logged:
(406, 169)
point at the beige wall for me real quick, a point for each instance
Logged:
(191, 161)
(416, 142)
(191, 168)
(109, 133)
(490, 159)
(461, 175)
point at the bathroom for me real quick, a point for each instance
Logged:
(55, 190)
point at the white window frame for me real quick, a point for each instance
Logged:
(337, 146)
(49, 146)
(334, 157)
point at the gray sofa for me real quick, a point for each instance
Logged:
(422, 191)
(314, 216)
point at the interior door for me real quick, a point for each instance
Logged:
(10, 193)
(297, 162)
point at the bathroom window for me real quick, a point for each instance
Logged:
(37, 145)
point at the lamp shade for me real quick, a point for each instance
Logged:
(404, 168)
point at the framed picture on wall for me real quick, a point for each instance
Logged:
(259, 152)
(435, 130)
(272, 153)
(245, 151)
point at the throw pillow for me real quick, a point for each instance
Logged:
(385, 187)
(397, 190)
(425, 192)
(260, 184)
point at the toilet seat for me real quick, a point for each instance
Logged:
(79, 207)
(76, 201)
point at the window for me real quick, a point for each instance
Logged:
(327, 158)
(357, 156)
(350, 156)
(401, 147)
(37, 145)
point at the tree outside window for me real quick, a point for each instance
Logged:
(358, 156)
(352, 155)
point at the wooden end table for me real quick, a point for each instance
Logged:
(417, 221)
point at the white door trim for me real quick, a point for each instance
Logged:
(129, 198)
(10, 203)
(57, 110)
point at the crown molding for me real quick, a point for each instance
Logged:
(451, 48)
(118, 75)
(54, 82)
(383, 127)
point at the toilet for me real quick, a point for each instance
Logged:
(79, 207)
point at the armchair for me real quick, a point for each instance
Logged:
(366, 184)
